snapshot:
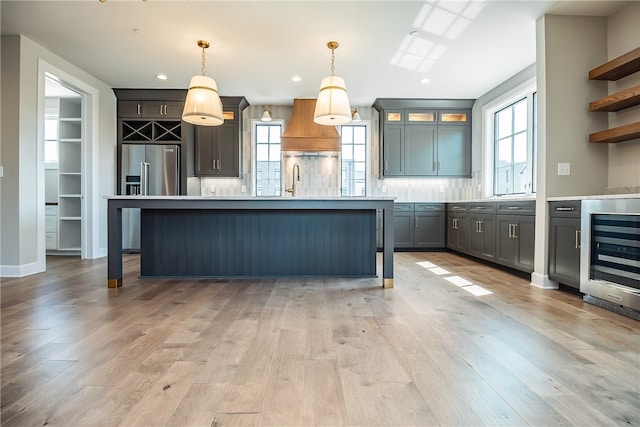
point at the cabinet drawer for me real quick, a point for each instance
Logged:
(50, 224)
(456, 207)
(51, 240)
(51, 210)
(429, 207)
(567, 209)
(517, 208)
(403, 207)
(488, 207)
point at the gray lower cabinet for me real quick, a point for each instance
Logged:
(564, 243)
(482, 230)
(429, 222)
(515, 241)
(403, 225)
(419, 225)
(457, 227)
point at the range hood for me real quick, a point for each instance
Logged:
(305, 135)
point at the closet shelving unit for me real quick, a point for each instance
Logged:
(70, 175)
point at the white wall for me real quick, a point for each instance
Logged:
(22, 249)
(623, 35)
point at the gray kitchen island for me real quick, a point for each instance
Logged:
(187, 236)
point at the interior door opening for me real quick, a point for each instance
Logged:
(64, 134)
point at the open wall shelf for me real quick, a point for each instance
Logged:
(616, 69)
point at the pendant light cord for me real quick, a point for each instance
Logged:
(333, 58)
(204, 68)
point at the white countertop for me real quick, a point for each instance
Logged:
(595, 197)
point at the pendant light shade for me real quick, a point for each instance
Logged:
(332, 105)
(203, 105)
(266, 116)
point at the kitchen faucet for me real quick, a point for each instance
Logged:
(292, 190)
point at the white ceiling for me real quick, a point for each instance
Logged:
(464, 47)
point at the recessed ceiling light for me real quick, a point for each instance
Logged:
(161, 76)
(424, 81)
(296, 78)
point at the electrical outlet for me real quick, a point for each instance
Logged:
(243, 189)
(384, 189)
(564, 168)
(212, 188)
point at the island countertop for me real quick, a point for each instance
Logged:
(348, 214)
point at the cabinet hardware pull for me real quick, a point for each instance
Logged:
(577, 239)
(416, 222)
(511, 231)
(161, 110)
(564, 209)
(165, 109)
(480, 230)
(514, 208)
(139, 109)
(515, 231)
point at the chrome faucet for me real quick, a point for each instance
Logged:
(294, 177)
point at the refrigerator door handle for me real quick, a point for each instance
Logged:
(144, 178)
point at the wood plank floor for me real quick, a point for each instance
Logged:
(302, 352)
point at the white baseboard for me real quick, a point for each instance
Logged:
(542, 281)
(21, 270)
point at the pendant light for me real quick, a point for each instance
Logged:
(332, 105)
(203, 106)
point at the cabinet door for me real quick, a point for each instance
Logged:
(129, 109)
(162, 109)
(505, 243)
(429, 229)
(564, 251)
(206, 151)
(403, 225)
(525, 242)
(420, 150)
(454, 150)
(392, 153)
(482, 236)
(228, 151)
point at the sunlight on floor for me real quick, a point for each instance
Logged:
(456, 280)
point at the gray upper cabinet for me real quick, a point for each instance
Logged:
(218, 148)
(151, 109)
(424, 137)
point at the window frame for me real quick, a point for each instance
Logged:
(528, 91)
(367, 156)
(254, 166)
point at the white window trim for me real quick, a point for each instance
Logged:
(254, 162)
(367, 159)
(488, 130)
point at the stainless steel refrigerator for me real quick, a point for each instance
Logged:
(147, 169)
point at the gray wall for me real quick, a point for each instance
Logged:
(22, 247)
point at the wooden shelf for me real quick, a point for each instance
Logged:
(618, 101)
(618, 68)
(619, 134)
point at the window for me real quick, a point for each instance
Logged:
(267, 138)
(514, 147)
(354, 160)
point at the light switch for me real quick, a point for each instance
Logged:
(564, 168)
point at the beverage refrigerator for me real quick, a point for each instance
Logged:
(147, 170)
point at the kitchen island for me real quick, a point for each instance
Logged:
(204, 237)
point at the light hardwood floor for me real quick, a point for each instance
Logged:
(298, 352)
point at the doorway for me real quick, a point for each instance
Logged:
(63, 148)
